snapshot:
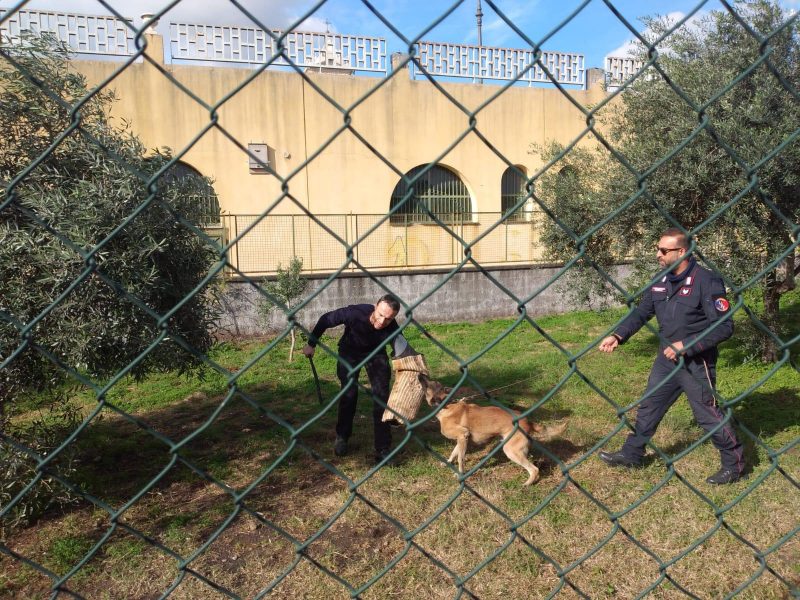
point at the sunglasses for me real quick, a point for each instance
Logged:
(664, 251)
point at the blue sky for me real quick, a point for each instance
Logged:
(595, 31)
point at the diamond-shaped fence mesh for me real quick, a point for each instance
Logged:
(234, 490)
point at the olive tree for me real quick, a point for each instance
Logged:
(285, 291)
(99, 260)
(711, 141)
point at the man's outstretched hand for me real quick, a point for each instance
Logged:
(609, 344)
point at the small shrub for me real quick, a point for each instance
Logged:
(19, 468)
(287, 289)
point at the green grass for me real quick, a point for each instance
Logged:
(129, 551)
(65, 552)
(193, 450)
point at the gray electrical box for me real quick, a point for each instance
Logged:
(262, 152)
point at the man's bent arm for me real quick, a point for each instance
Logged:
(636, 320)
(330, 319)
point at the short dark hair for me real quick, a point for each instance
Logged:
(681, 238)
(392, 301)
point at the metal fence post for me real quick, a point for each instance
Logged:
(310, 247)
(505, 226)
(405, 217)
(236, 234)
(355, 236)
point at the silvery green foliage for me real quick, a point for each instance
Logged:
(91, 243)
(21, 449)
(89, 179)
(284, 293)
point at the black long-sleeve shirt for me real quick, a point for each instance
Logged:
(686, 306)
(360, 337)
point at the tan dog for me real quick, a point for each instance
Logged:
(462, 421)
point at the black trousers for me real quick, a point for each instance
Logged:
(697, 378)
(379, 374)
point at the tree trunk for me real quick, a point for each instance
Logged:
(772, 301)
(291, 346)
(776, 283)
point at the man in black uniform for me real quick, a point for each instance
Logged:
(366, 327)
(687, 302)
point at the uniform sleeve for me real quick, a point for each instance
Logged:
(326, 321)
(717, 308)
(636, 320)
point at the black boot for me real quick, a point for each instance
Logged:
(340, 446)
(382, 457)
(618, 459)
(724, 476)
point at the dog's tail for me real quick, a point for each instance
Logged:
(546, 434)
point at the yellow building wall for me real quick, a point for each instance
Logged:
(199, 110)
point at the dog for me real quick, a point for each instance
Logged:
(462, 421)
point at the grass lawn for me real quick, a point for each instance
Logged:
(216, 490)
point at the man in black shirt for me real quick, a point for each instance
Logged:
(693, 317)
(366, 327)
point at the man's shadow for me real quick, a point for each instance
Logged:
(758, 416)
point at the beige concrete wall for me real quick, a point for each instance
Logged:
(407, 122)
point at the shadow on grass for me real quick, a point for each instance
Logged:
(226, 439)
(764, 415)
(235, 440)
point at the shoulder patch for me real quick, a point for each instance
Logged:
(721, 304)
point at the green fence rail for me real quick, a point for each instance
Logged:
(272, 240)
(371, 532)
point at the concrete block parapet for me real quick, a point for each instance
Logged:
(468, 296)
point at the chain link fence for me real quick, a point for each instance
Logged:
(381, 532)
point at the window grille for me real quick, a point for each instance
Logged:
(438, 190)
(207, 205)
(512, 190)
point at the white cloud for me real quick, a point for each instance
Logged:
(628, 48)
(790, 6)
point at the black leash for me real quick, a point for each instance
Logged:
(316, 379)
(496, 389)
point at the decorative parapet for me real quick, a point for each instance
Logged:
(441, 59)
(108, 35)
(619, 69)
(255, 46)
(83, 34)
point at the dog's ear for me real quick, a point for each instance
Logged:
(423, 380)
(432, 389)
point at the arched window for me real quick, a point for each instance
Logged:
(206, 203)
(440, 190)
(512, 190)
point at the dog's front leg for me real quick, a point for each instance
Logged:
(460, 449)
